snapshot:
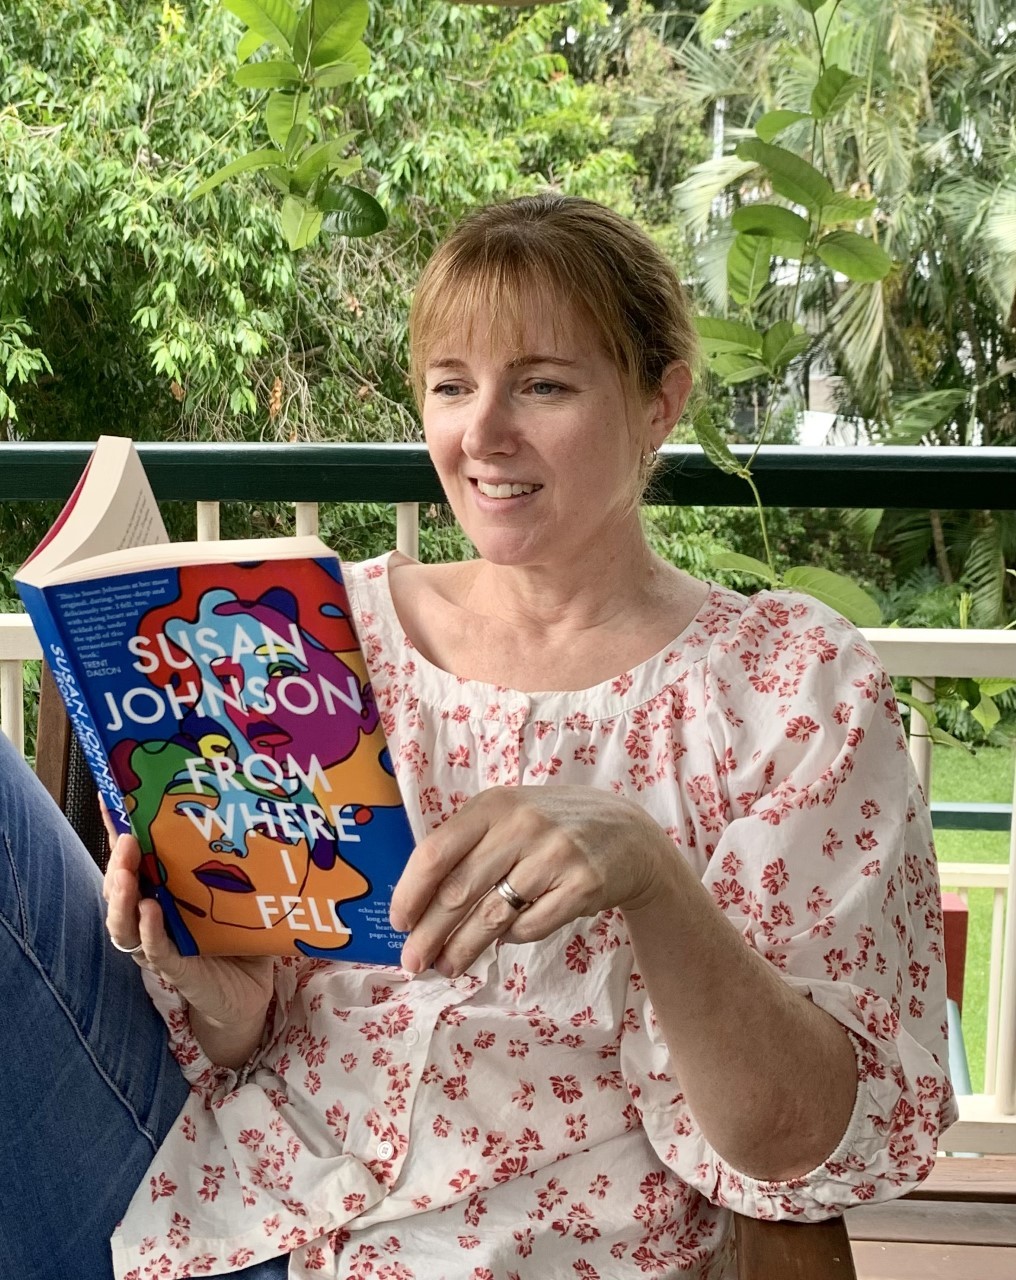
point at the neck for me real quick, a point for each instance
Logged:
(616, 578)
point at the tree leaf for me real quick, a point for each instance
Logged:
(281, 178)
(242, 164)
(273, 20)
(748, 261)
(743, 564)
(991, 687)
(343, 72)
(914, 417)
(969, 691)
(300, 222)
(733, 367)
(770, 220)
(835, 88)
(351, 211)
(947, 740)
(986, 714)
(794, 178)
(316, 159)
(864, 523)
(812, 6)
(284, 112)
(782, 343)
(250, 42)
(338, 25)
(927, 711)
(854, 256)
(716, 449)
(774, 122)
(840, 593)
(274, 74)
(843, 207)
(726, 335)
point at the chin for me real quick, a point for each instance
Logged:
(506, 556)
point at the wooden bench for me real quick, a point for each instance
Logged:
(958, 1225)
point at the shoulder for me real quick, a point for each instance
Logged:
(791, 667)
(788, 631)
(425, 592)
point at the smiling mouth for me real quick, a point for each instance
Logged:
(505, 490)
(217, 875)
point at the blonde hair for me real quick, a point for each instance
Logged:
(550, 254)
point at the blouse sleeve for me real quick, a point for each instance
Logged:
(205, 1077)
(820, 854)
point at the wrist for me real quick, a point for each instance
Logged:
(663, 884)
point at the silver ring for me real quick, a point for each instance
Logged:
(514, 900)
(127, 951)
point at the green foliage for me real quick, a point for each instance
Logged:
(888, 127)
(124, 307)
(322, 49)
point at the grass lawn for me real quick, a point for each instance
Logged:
(987, 778)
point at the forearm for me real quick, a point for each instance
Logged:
(769, 1077)
(228, 1045)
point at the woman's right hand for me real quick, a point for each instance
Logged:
(228, 995)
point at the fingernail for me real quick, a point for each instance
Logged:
(410, 962)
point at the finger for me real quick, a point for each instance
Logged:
(493, 917)
(124, 854)
(112, 833)
(465, 887)
(123, 898)
(436, 857)
(159, 952)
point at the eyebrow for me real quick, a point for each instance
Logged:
(520, 362)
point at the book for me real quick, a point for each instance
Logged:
(221, 698)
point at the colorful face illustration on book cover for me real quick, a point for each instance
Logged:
(249, 749)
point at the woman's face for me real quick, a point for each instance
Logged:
(241, 871)
(536, 443)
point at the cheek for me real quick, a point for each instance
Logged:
(443, 447)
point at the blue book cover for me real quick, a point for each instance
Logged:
(225, 708)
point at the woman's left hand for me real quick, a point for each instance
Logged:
(568, 851)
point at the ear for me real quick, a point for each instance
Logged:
(668, 403)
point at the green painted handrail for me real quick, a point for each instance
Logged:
(792, 476)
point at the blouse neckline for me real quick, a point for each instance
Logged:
(609, 697)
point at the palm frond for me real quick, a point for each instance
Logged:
(713, 73)
(711, 260)
(1000, 242)
(984, 574)
(857, 330)
(695, 195)
(720, 16)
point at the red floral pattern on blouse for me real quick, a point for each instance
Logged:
(525, 1120)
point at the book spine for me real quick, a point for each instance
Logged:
(73, 691)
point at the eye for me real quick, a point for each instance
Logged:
(282, 669)
(542, 389)
(190, 809)
(446, 390)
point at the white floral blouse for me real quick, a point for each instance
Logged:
(525, 1120)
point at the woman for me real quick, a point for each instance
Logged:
(674, 936)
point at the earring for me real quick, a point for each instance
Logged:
(650, 462)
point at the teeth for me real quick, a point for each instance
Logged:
(505, 490)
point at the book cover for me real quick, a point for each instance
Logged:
(226, 710)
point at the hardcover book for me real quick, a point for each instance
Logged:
(221, 698)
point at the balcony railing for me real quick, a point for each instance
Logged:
(402, 475)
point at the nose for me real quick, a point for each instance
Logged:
(491, 429)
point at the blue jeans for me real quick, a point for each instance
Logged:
(88, 1088)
